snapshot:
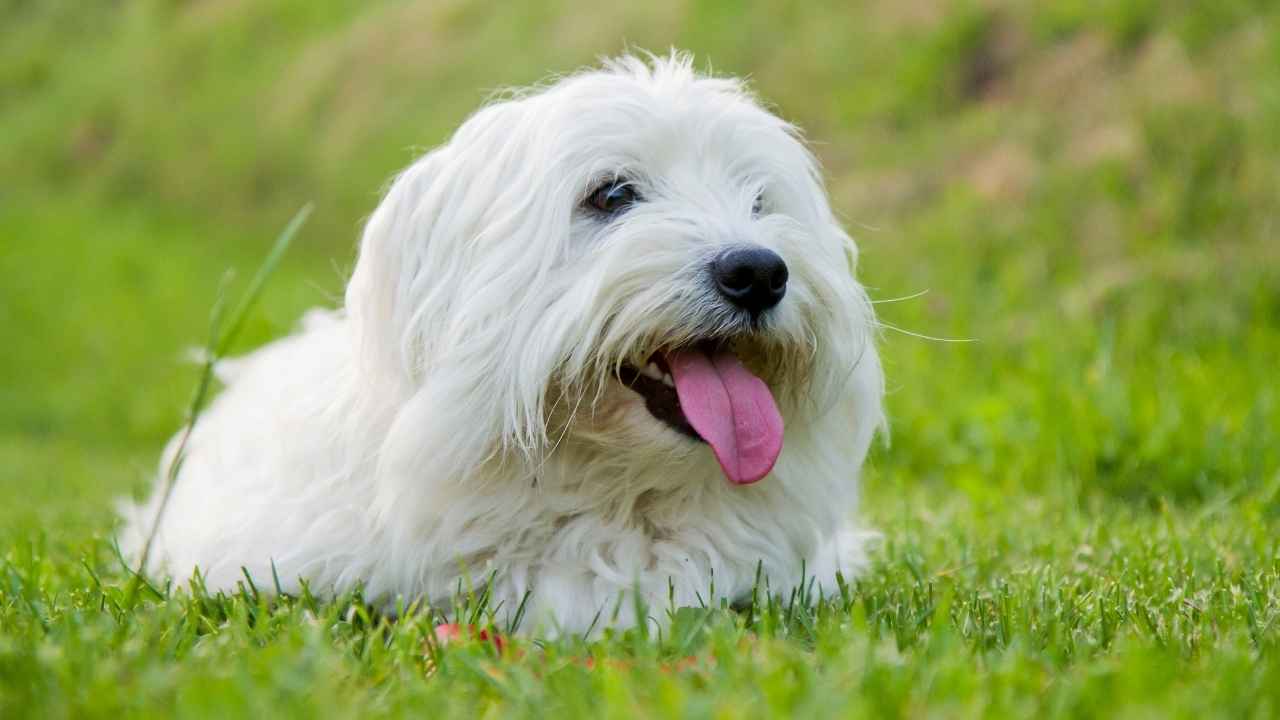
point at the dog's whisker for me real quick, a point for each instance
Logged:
(922, 336)
(903, 298)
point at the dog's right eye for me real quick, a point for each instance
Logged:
(613, 197)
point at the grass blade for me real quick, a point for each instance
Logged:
(217, 345)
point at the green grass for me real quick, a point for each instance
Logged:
(1081, 510)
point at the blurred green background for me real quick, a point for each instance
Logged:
(1088, 189)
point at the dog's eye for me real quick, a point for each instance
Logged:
(758, 206)
(613, 197)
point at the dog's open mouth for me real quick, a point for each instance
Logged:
(706, 393)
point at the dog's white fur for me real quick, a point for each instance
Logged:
(461, 415)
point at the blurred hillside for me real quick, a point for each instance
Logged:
(235, 110)
(1088, 189)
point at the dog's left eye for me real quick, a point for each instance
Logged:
(758, 206)
(613, 197)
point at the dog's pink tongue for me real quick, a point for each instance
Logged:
(731, 409)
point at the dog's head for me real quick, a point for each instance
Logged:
(637, 259)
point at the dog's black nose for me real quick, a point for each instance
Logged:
(753, 278)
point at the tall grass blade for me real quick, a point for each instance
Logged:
(217, 344)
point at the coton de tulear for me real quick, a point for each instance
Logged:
(605, 339)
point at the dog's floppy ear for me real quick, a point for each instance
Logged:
(420, 249)
(452, 265)
(376, 296)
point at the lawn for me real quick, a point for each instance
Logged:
(1080, 507)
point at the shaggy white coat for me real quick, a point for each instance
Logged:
(461, 414)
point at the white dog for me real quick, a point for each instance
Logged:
(570, 347)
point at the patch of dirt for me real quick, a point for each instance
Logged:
(994, 60)
(1004, 173)
(1114, 141)
(1065, 76)
(91, 139)
(900, 15)
(1164, 74)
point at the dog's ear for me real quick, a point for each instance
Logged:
(453, 266)
(376, 301)
(421, 263)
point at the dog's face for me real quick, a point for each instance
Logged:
(638, 260)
